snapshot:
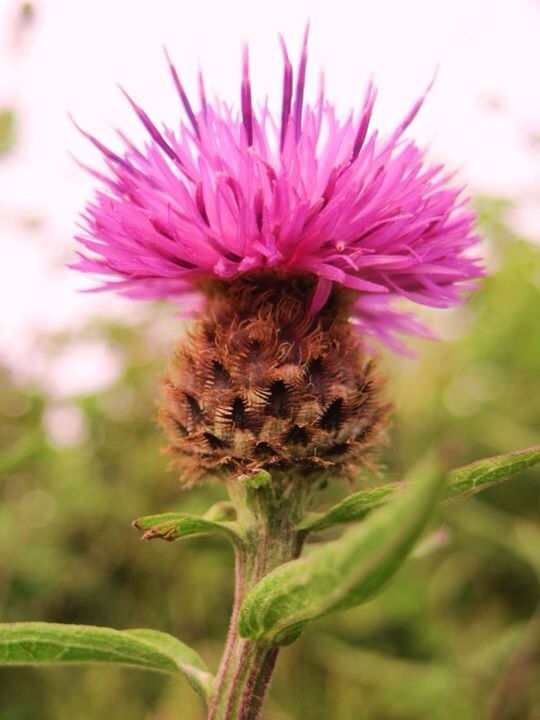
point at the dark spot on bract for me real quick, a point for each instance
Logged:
(263, 449)
(315, 372)
(179, 427)
(221, 377)
(238, 414)
(297, 436)
(277, 401)
(333, 450)
(214, 442)
(332, 416)
(194, 409)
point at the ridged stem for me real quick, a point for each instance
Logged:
(268, 516)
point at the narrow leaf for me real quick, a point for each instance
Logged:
(461, 482)
(35, 643)
(343, 573)
(186, 659)
(352, 508)
(174, 526)
(490, 471)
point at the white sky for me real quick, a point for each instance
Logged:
(483, 114)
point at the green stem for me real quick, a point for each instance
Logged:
(267, 514)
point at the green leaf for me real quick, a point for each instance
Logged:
(352, 508)
(343, 573)
(186, 659)
(36, 643)
(174, 526)
(461, 482)
(490, 471)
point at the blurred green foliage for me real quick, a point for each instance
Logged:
(8, 130)
(455, 635)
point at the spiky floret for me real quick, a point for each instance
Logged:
(261, 383)
(232, 193)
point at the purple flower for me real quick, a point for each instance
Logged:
(231, 192)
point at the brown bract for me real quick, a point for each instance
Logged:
(260, 384)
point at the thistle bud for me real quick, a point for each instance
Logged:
(262, 383)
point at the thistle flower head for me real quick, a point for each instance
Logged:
(227, 193)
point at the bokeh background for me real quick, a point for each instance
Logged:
(457, 634)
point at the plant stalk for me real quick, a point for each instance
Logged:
(268, 515)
